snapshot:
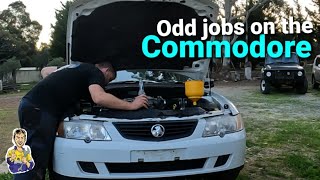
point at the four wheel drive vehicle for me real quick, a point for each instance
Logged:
(174, 136)
(316, 73)
(283, 71)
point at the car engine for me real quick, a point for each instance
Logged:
(164, 101)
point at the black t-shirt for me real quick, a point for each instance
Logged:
(61, 90)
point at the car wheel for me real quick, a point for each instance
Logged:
(265, 87)
(303, 87)
(315, 85)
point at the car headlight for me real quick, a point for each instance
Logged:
(221, 125)
(268, 74)
(86, 130)
(300, 73)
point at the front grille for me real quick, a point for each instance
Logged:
(142, 130)
(142, 167)
(284, 74)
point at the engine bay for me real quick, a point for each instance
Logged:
(164, 100)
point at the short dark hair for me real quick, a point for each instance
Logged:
(108, 65)
(18, 131)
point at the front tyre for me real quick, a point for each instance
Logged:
(265, 87)
(302, 88)
(315, 85)
(228, 175)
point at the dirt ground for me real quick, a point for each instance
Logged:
(8, 120)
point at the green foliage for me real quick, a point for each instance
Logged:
(11, 46)
(58, 38)
(57, 62)
(18, 33)
(17, 21)
(314, 15)
(41, 59)
(6, 176)
(303, 166)
(9, 66)
(271, 12)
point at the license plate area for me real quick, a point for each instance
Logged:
(156, 155)
(284, 75)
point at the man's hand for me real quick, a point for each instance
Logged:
(13, 157)
(24, 161)
(100, 97)
(139, 102)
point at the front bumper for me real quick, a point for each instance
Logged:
(284, 77)
(131, 159)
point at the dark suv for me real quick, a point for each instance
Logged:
(283, 71)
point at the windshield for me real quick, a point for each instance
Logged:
(282, 60)
(155, 76)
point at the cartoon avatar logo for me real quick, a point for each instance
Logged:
(18, 157)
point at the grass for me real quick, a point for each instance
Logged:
(6, 176)
(26, 87)
(303, 166)
(283, 133)
(273, 145)
(9, 116)
(8, 121)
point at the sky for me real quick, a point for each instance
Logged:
(43, 11)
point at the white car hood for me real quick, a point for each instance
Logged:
(113, 30)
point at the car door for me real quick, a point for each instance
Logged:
(317, 69)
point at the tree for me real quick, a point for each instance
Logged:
(19, 30)
(270, 12)
(9, 66)
(58, 37)
(314, 15)
(41, 59)
(59, 61)
(247, 12)
(18, 37)
(228, 6)
(11, 46)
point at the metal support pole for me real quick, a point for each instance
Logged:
(247, 16)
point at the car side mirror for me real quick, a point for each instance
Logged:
(209, 84)
(302, 63)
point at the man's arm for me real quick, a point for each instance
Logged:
(10, 157)
(48, 70)
(24, 161)
(100, 97)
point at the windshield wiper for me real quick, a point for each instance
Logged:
(290, 62)
(126, 82)
(134, 82)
